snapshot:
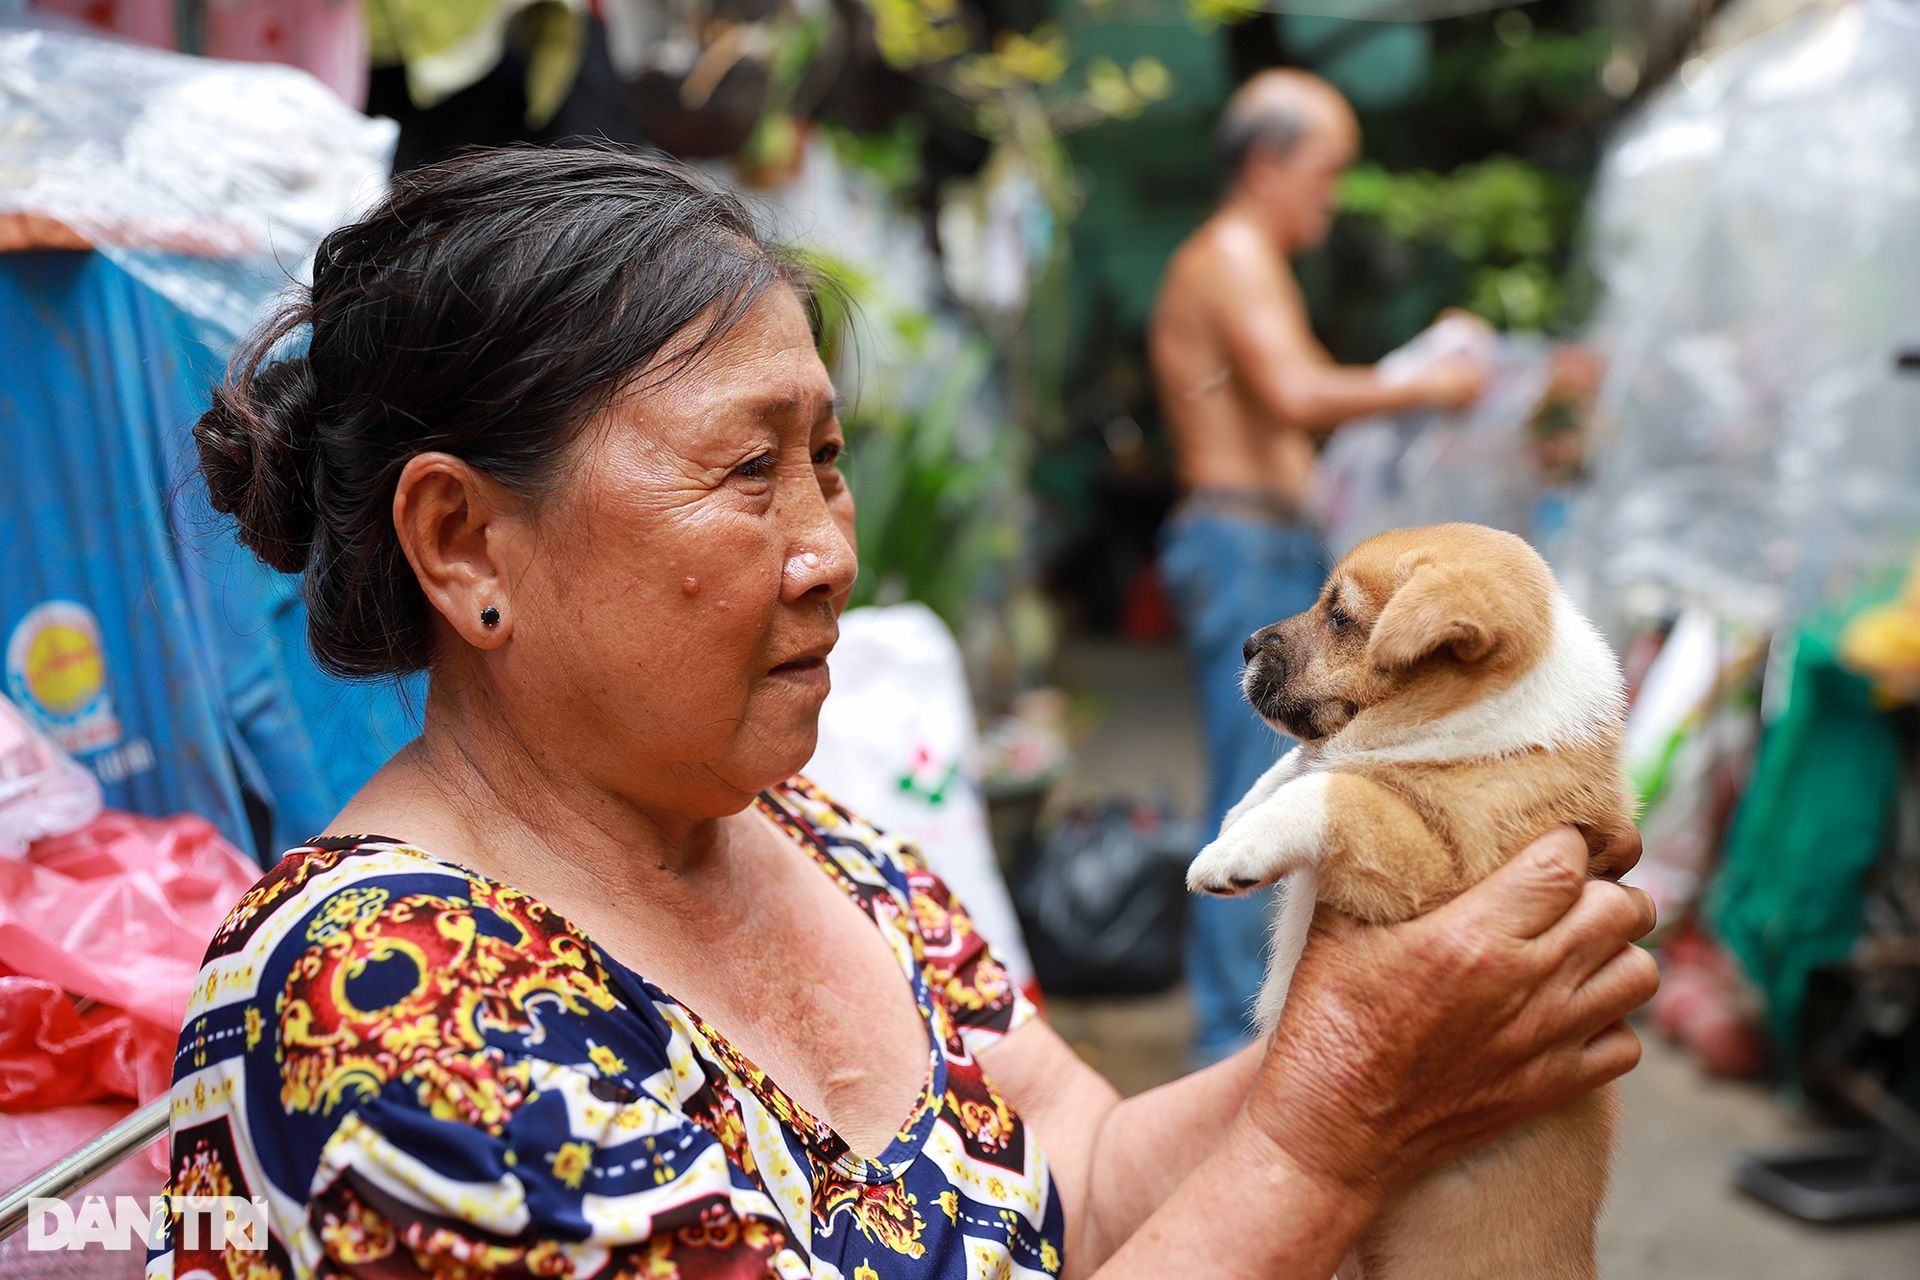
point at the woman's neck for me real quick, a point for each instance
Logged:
(472, 790)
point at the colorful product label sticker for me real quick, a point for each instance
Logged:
(927, 779)
(57, 673)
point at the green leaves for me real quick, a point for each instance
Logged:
(935, 476)
(934, 515)
(1503, 219)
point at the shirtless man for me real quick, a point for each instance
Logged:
(1245, 387)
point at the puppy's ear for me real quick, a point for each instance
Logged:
(1436, 607)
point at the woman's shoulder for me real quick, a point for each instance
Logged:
(314, 874)
(382, 942)
(367, 886)
(372, 1010)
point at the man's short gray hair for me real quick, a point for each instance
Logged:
(1275, 128)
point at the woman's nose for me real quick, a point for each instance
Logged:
(821, 559)
(816, 571)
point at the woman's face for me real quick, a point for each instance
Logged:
(672, 625)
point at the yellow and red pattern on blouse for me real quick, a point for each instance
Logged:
(428, 1073)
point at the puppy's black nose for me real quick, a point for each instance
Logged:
(1251, 649)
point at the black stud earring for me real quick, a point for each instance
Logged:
(489, 617)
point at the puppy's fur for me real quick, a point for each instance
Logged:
(1452, 705)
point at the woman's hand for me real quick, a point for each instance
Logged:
(1407, 1044)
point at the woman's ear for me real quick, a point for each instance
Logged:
(1435, 608)
(455, 527)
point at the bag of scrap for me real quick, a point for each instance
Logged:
(1756, 229)
(208, 181)
(898, 745)
(1103, 905)
(149, 201)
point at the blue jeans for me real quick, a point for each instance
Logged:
(1229, 576)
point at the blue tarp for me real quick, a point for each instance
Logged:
(135, 629)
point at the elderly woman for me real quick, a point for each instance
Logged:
(585, 982)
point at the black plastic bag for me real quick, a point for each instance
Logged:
(1103, 903)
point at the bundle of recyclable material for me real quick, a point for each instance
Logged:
(1756, 230)
(209, 181)
(1429, 467)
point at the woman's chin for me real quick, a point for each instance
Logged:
(776, 748)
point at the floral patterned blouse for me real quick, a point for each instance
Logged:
(424, 1071)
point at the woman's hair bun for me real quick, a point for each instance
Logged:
(256, 450)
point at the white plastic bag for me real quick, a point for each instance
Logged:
(1756, 228)
(898, 746)
(1393, 471)
(42, 791)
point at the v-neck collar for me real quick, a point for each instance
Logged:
(904, 941)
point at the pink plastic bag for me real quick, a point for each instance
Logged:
(119, 913)
(54, 1054)
(31, 1141)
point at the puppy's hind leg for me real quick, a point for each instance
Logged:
(1286, 943)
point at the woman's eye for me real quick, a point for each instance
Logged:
(756, 467)
(828, 454)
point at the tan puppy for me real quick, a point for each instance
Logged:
(1452, 705)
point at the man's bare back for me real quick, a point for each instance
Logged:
(1244, 384)
(1224, 435)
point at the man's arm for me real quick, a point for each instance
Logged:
(1262, 321)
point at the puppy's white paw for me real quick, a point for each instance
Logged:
(1281, 834)
(1231, 866)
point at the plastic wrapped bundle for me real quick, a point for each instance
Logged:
(1395, 471)
(209, 181)
(42, 791)
(1757, 231)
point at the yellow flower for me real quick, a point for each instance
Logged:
(1041, 60)
(1150, 78)
(1049, 1257)
(950, 1205)
(606, 1060)
(571, 1161)
(253, 1025)
(865, 1272)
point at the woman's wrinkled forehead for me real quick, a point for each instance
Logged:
(763, 371)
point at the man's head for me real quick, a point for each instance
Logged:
(1283, 142)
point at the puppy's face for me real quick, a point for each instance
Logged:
(1410, 625)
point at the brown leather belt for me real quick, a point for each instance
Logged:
(1260, 505)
